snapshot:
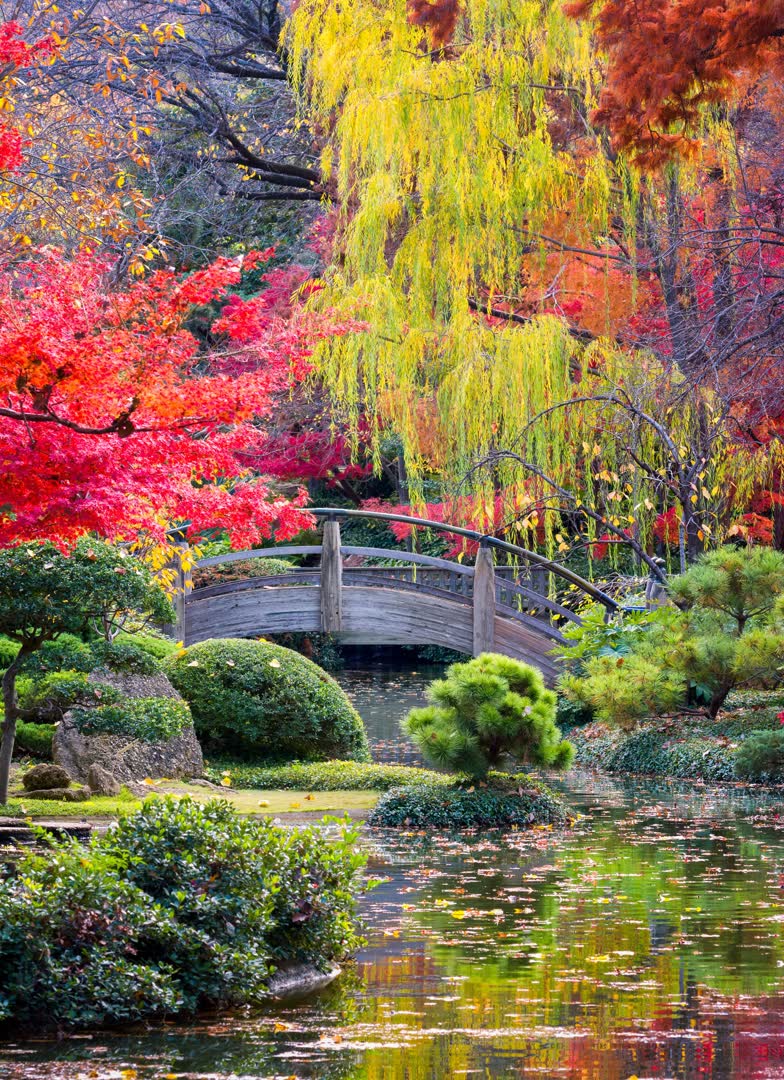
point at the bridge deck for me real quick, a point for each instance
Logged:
(371, 614)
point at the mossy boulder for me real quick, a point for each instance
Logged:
(264, 701)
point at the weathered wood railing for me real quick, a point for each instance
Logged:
(472, 608)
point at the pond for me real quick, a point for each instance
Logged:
(644, 942)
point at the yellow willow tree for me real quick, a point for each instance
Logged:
(479, 211)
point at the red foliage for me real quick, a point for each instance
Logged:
(109, 422)
(467, 512)
(438, 16)
(667, 526)
(15, 53)
(669, 58)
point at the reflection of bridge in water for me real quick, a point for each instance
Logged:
(412, 599)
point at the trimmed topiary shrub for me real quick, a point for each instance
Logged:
(509, 801)
(180, 907)
(487, 712)
(319, 775)
(157, 645)
(149, 719)
(260, 699)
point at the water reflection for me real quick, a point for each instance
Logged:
(644, 942)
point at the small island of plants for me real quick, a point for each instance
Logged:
(489, 714)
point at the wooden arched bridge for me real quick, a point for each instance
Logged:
(409, 599)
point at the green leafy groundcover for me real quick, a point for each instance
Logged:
(318, 775)
(505, 800)
(745, 743)
(181, 906)
(257, 699)
(151, 719)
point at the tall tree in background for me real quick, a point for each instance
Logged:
(510, 257)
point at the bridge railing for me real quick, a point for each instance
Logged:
(519, 592)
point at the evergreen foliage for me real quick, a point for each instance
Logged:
(489, 712)
(728, 633)
(45, 593)
(266, 702)
(179, 908)
(149, 719)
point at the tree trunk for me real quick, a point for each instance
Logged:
(9, 723)
(718, 699)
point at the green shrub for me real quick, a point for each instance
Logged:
(319, 775)
(760, 757)
(149, 641)
(456, 806)
(36, 739)
(261, 699)
(65, 653)
(8, 651)
(203, 576)
(180, 907)
(46, 699)
(150, 719)
(728, 634)
(489, 711)
(679, 751)
(126, 656)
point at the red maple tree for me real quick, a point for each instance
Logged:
(113, 419)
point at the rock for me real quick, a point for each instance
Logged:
(101, 782)
(125, 758)
(45, 776)
(299, 980)
(201, 782)
(61, 794)
(135, 686)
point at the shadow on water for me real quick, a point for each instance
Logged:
(644, 942)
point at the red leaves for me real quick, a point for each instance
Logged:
(668, 60)
(113, 421)
(437, 16)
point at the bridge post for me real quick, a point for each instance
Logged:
(331, 578)
(484, 600)
(183, 585)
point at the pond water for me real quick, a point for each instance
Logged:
(644, 942)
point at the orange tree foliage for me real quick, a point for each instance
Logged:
(669, 60)
(112, 420)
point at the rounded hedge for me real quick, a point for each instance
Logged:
(517, 800)
(266, 701)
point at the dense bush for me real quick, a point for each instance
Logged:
(487, 712)
(35, 739)
(8, 651)
(149, 719)
(261, 699)
(180, 907)
(761, 757)
(65, 653)
(218, 574)
(457, 806)
(319, 775)
(46, 699)
(125, 656)
(149, 641)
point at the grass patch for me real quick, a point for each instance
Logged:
(319, 775)
(244, 802)
(98, 806)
